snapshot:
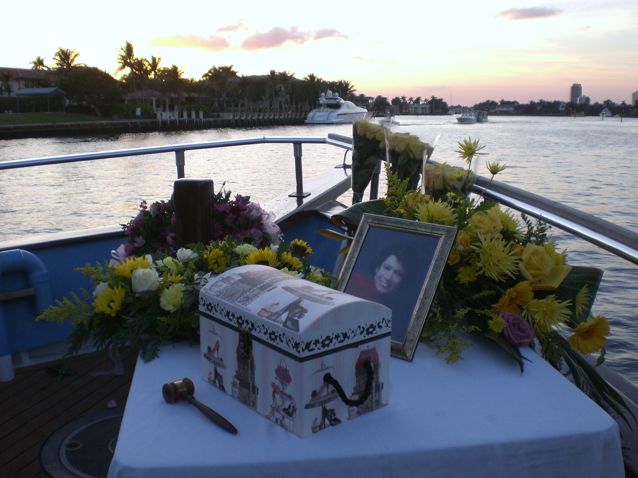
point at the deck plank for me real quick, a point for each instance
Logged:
(36, 403)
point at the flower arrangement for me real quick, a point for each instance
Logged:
(144, 299)
(403, 152)
(505, 278)
(153, 228)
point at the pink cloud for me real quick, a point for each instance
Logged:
(328, 33)
(529, 13)
(211, 43)
(274, 37)
(231, 28)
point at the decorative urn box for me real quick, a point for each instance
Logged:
(301, 354)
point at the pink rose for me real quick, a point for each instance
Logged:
(517, 330)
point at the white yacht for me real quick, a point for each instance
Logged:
(335, 110)
(467, 117)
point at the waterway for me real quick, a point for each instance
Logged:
(588, 163)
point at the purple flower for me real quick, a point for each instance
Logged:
(517, 330)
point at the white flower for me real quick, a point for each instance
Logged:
(202, 279)
(185, 255)
(143, 280)
(99, 288)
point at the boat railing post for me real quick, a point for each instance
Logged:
(299, 192)
(374, 182)
(180, 162)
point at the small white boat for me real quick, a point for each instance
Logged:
(335, 110)
(467, 117)
(389, 120)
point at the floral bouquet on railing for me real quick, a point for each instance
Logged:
(143, 300)
(505, 278)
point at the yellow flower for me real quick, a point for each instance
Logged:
(453, 258)
(495, 259)
(590, 336)
(466, 275)
(443, 177)
(171, 264)
(171, 298)
(370, 130)
(244, 249)
(469, 148)
(172, 278)
(109, 300)
(300, 248)
(290, 260)
(508, 222)
(463, 239)
(486, 223)
(543, 267)
(126, 268)
(437, 212)
(496, 324)
(217, 261)
(495, 167)
(265, 256)
(545, 314)
(515, 297)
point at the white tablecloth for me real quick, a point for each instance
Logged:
(477, 418)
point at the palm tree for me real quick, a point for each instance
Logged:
(65, 58)
(38, 64)
(220, 80)
(125, 57)
(154, 66)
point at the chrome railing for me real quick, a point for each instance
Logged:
(180, 153)
(615, 239)
(611, 237)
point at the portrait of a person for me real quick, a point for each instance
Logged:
(390, 280)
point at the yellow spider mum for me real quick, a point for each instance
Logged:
(437, 212)
(126, 268)
(265, 256)
(290, 260)
(109, 300)
(581, 300)
(485, 223)
(508, 221)
(495, 259)
(590, 336)
(545, 314)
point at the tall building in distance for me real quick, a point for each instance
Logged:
(575, 92)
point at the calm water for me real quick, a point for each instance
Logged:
(583, 162)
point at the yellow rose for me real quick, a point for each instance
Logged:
(546, 271)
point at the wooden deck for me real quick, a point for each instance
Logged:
(38, 402)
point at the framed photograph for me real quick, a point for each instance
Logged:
(398, 263)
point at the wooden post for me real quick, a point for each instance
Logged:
(193, 199)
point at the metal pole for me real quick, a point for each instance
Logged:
(299, 193)
(180, 162)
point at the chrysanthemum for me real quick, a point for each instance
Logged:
(300, 248)
(590, 336)
(508, 221)
(109, 300)
(466, 275)
(495, 259)
(496, 324)
(437, 212)
(485, 223)
(515, 297)
(265, 256)
(545, 314)
(217, 261)
(126, 268)
(288, 259)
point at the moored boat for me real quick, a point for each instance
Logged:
(335, 110)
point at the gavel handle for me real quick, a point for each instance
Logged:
(212, 415)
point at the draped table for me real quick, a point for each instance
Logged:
(479, 417)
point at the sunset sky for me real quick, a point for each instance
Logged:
(462, 51)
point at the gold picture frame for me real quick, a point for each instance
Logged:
(398, 263)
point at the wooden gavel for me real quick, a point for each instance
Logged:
(184, 389)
